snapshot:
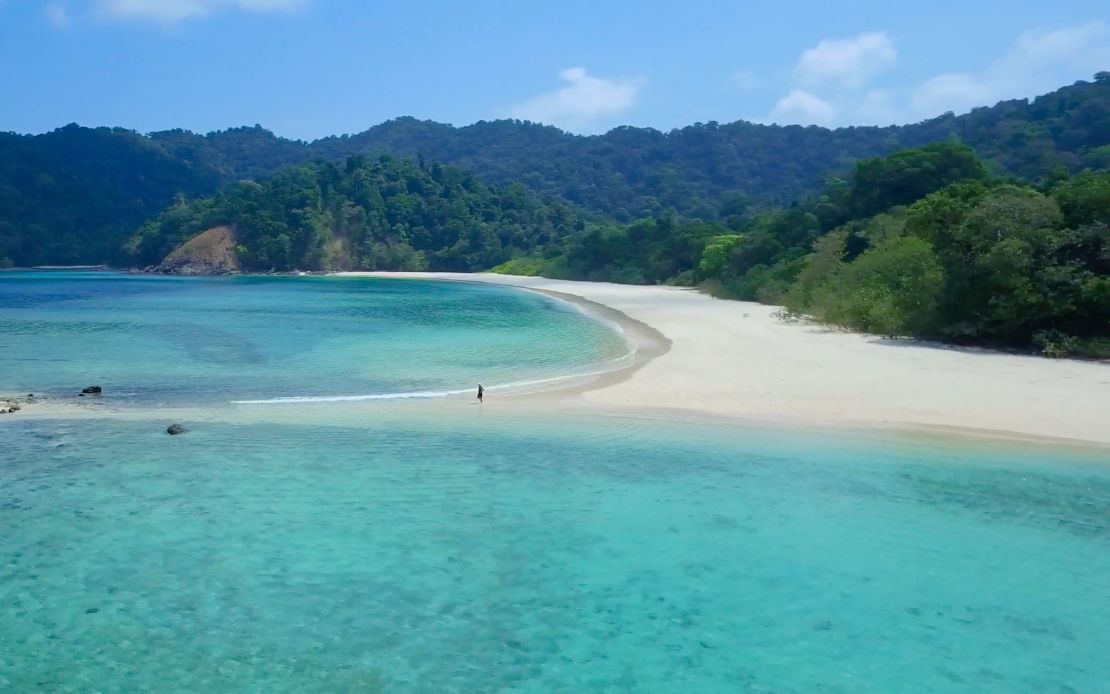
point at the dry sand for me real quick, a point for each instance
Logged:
(737, 359)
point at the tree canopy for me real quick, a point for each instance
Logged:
(383, 214)
(75, 194)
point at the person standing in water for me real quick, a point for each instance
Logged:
(481, 392)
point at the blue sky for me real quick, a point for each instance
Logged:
(309, 68)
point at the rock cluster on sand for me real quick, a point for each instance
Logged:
(10, 405)
(209, 253)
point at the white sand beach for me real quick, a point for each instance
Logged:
(737, 359)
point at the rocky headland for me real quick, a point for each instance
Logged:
(211, 252)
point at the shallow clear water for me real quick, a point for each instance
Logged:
(370, 547)
(493, 553)
(173, 340)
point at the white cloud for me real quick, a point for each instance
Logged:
(1038, 62)
(57, 15)
(834, 72)
(875, 108)
(583, 100)
(1071, 45)
(956, 92)
(851, 63)
(171, 11)
(1042, 59)
(799, 106)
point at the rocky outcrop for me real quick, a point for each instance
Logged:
(13, 405)
(175, 429)
(209, 253)
(91, 390)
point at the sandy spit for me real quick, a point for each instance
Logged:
(731, 359)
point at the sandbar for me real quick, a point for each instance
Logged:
(735, 359)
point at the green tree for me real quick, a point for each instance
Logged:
(892, 289)
(714, 262)
(1085, 199)
(904, 177)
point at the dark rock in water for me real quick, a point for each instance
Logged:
(80, 395)
(92, 610)
(175, 429)
(91, 390)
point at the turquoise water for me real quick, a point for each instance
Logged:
(173, 340)
(496, 554)
(471, 549)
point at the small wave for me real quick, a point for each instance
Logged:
(427, 394)
(349, 398)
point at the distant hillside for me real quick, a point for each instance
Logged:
(75, 194)
(704, 171)
(72, 196)
(373, 215)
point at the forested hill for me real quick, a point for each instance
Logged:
(75, 194)
(381, 214)
(697, 171)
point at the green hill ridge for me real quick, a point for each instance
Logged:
(76, 194)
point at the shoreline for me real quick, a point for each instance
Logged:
(539, 406)
(647, 343)
(699, 358)
(736, 361)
